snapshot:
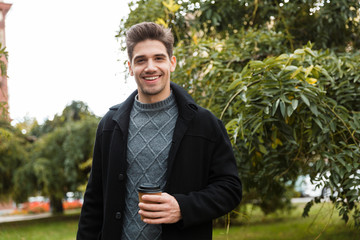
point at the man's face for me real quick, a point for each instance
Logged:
(151, 67)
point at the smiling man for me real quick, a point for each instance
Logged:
(151, 67)
(159, 135)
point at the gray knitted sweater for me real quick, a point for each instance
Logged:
(150, 133)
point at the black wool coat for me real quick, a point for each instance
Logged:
(202, 173)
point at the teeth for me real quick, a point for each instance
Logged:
(150, 78)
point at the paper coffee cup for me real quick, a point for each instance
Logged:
(148, 188)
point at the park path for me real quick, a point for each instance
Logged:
(16, 218)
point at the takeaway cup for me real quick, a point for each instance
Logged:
(148, 188)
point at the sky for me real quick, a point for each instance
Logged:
(64, 50)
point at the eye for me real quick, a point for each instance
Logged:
(159, 58)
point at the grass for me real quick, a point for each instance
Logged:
(323, 224)
(53, 228)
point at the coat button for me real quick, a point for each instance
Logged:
(193, 106)
(121, 177)
(118, 215)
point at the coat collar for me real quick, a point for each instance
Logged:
(186, 106)
(121, 116)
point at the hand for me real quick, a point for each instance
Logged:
(161, 209)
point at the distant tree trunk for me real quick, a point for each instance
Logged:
(56, 205)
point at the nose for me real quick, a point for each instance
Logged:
(150, 67)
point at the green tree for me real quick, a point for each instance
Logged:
(12, 156)
(298, 114)
(75, 111)
(328, 24)
(57, 156)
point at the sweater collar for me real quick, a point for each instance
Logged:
(157, 106)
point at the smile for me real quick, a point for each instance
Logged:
(151, 78)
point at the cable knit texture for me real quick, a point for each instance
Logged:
(151, 130)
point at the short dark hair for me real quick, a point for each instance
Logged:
(148, 30)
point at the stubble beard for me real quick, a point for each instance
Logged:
(151, 92)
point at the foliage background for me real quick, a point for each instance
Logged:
(282, 75)
(284, 78)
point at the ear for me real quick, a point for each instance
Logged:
(172, 63)
(130, 69)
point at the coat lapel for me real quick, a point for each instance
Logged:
(187, 111)
(121, 117)
(118, 163)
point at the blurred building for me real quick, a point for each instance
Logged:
(4, 96)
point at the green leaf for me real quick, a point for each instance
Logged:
(299, 51)
(326, 74)
(340, 171)
(319, 165)
(305, 99)
(235, 83)
(308, 70)
(335, 178)
(353, 198)
(243, 97)
(267, 110)
(294, 103)
(282, 108)
(291, 68)
(274, 107)
(262, 149)
(341, 161)
(282, 57)
(309, 51)
(333, 126)
(352, 193)
(348, 167)
(356, 165)
(290, 110)
(257, 64)
(231, 124)
(293, 75)
(314, 110)
(318, 123)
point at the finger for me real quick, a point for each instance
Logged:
(151, 206)
(154, 221)
(160, 220)
(152, 198)
(151, 215)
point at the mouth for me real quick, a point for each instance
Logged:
(151, 78)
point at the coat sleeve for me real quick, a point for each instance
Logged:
(223, 191)
(91, 218)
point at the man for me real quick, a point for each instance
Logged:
(158, 135)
